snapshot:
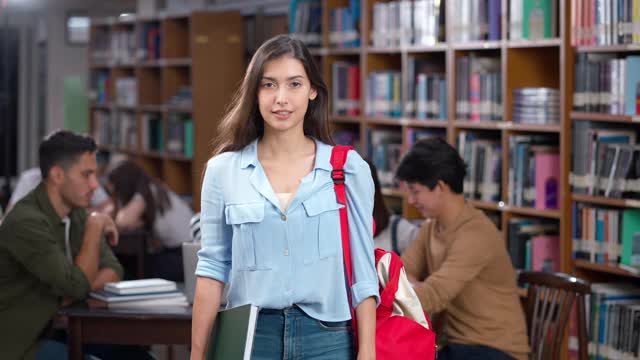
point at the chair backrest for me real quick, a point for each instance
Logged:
(550, 298)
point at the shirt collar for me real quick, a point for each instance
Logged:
(42, 197)
(249, 155)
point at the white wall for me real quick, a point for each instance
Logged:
(63, 61)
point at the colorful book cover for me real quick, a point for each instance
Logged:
(545, 253)
(547, 179)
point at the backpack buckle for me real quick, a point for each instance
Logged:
(338, 176)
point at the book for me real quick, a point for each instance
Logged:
(140, 286)
(177, 301)
(110, 297)
(232, 335)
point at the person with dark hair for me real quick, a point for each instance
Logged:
(459, 263)
(51, 250)
(144, 202)
(393, 232)
(270, 220)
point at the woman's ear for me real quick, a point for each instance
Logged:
(313, 94)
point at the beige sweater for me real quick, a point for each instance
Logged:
(466, 271)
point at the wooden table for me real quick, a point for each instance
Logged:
(126, 327)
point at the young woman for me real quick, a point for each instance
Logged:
(143, 202)
(270, 219)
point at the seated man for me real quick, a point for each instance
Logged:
(459, 262)
(51, 250)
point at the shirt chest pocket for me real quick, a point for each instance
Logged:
(322, 226)
(246, 220)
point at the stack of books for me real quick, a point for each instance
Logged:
(145, 293)
(536, 106)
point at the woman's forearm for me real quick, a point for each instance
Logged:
(205, 308)
(366, 318)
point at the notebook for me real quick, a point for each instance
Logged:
(232, 336)
(142, 286)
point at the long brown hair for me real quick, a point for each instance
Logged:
(243, 122)
(380, 211)
(128, 179)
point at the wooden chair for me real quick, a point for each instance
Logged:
(550, 298)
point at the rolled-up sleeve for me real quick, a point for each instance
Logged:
(214, 258)
(36, 248)
(360, 191)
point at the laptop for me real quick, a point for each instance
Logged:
(189, 263)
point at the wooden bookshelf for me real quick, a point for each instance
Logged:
(604, 201)
(603, 269)
(188, 56)
(548, 63)
(608, 48)
(601, 117)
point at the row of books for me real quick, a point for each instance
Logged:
(347, 136)
(180, 135)
(607, 84)
(100, 87)
(605, 22)
(534, 171)
(117, 129)
(606, 236)
(305, 21)
(478, 88)
(152, 133)
(534, 244)
(345, 88)
(427, 89)
(182, 98)
(142, 294)
(606, 160)
(613, 321)
(114, 47)
(478, 20)
(150, 42)
(343, 26)
(126, 91)
(384, 96)
(384, 150)
(401, 23)
(483, 157)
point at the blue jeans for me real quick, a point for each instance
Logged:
(290, 334)
(471, 352)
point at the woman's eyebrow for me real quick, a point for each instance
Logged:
(288, 79)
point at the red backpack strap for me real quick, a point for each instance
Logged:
(338, 159)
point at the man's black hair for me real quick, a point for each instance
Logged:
(431, 160)
(63, 147)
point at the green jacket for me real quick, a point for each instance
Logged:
(35, 273)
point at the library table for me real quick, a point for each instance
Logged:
(92, 325)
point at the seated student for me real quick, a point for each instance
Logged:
(143, 202)
(51, 251)
(459, 262)
(393, 232)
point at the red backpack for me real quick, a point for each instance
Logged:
(397, 337)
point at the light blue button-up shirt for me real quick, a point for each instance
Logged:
(276, 259)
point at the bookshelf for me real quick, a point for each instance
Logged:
(608, 49)
(548, 63)
(176, 86)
